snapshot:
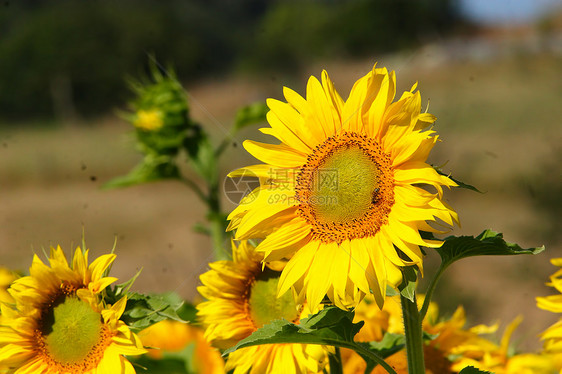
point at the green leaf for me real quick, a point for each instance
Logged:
(250, 114)
(408, 286)
(390, 344)
(473, 370)
(149, 170)
(187, 312)
(170, 365)
(205, 161)
(488, 243)
(331, 326)
(391, 291)
(171, 362)
(143, 311)
(460, 183)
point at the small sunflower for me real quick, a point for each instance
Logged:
(553, 335)
(500, 359)
(59, 324)
(6, 278)
(174, 336)
(342, 195)
(451, 340)
(241, 298)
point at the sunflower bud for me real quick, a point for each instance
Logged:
(160, 114)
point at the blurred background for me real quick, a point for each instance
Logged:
(490, 70)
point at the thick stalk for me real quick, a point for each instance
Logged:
(219, 238)
(413, 333)
(336, 362)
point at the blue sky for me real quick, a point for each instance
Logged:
(506, 11)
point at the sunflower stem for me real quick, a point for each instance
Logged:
(430, 289)
(413, 333)
(219, 238)
(336, 362)
(214, 216)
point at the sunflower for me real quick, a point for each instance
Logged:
(500, 359)
(553, 335)
(59, 324)
(451, 339)
(174, 336)
(6, 278)
(241, 298)
(342, 195)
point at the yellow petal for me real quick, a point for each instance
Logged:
(100, 264)
(359, 261)
(378, 266)
(319, 276)
(285, 241)
(277, 155)
(260, 171)
(334, 98)
(382, 100)
(322, 106)
(297, 266)
(257, 220)
(289, 126)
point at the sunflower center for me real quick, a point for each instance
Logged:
(266, 307)
(72, 330)
(345, 190)
(344, 185)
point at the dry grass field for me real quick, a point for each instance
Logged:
(500, 122)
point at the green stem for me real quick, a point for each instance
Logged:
(336, 366)
(218, 236)
(224, 144)
(430, 289)
(217, 221)
(214, 216)
(413, 334)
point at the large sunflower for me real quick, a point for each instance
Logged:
(59, 324)
(342, 194)
(241, 298)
